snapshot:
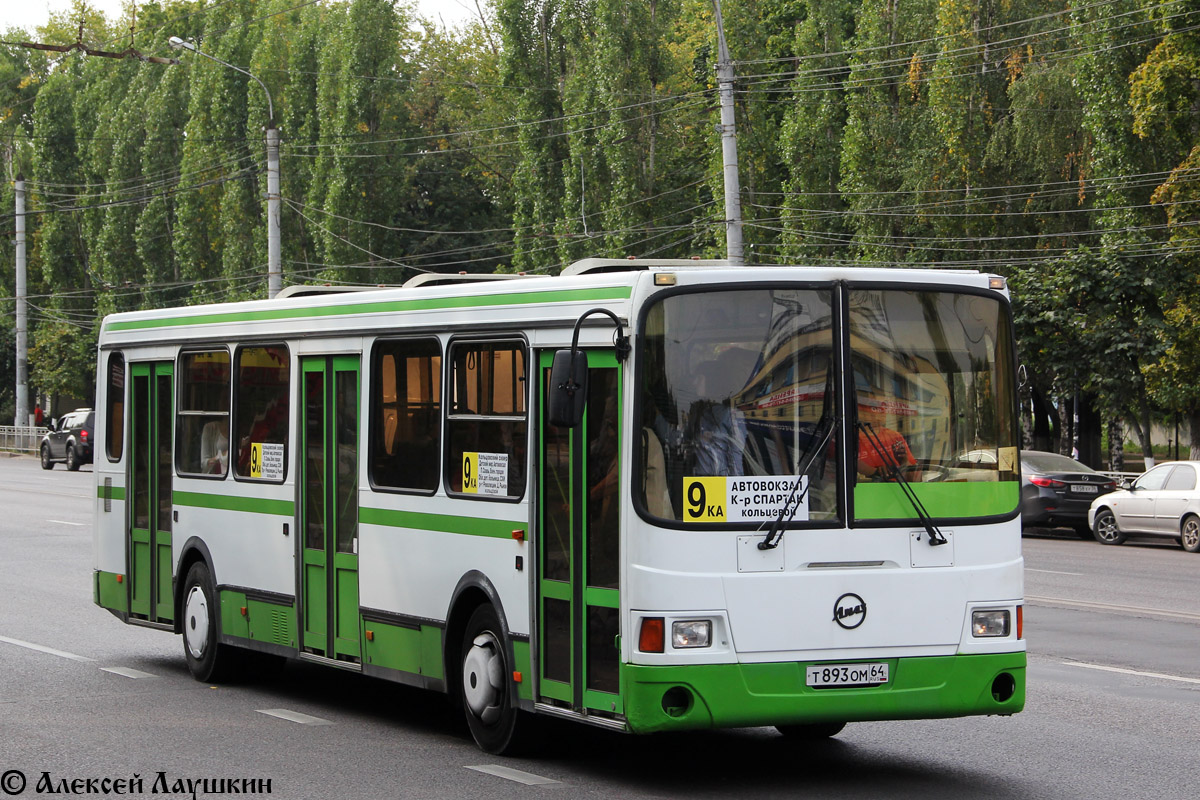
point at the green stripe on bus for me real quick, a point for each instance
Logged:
(426, 304)
(946, 499)
(445, 523)
(111, 493)
(224, 502)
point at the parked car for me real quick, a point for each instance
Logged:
(70, 440)
(1163, 501)
(1056, 491)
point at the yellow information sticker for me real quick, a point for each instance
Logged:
(470, 473)
(256, 459)
(704, 499)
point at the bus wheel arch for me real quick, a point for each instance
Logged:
(193, 550)
(478, 658)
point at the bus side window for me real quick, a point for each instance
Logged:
(203, 413)
(114, 429)
(262, 396)
(406, 398)
(487, 447)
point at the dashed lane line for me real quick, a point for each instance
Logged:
(41, 648)
(510, 774)
(128, 672)
(1138, 673)
(293, 716)
(1115, 607)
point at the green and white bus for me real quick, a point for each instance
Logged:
(645, 495)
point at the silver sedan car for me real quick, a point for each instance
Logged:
(1164, 501)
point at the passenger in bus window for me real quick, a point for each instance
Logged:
(891, 453)
(214, 447)
(717, 428)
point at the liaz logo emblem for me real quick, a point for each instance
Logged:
(849, 611)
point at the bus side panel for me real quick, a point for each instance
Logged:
(247, 528)
(412, 571)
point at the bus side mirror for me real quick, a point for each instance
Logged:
(568, 388)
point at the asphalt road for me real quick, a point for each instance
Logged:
(1114, 699)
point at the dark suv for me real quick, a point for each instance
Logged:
(71, 440)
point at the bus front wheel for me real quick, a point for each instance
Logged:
(484, 689)
(207, 659)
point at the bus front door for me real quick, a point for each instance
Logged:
(328, 506)
(578, 546)
(148, 548)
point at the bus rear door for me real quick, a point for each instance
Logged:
(148, 546)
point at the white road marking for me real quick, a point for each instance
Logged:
(1156, 612)
(1139, 673)
(128, 672)
(508, 773)
(293, 716)
(1051, 571)
(64, 522)
(41, 648)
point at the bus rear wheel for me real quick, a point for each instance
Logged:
(484, 687)
(207, 659)
(816, 730)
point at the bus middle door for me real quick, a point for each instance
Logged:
(578, 546)
(328, 507)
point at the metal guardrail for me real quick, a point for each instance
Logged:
(21, 438)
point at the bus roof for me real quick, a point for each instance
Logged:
(512, 301)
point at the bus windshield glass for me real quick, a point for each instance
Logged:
(736, 388)
(933, 401)
(740, 395)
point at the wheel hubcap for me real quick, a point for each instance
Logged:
(1191, 534)
(483, 678)
(195, 623)
(1107, 528)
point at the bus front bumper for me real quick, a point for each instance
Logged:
(677, 698)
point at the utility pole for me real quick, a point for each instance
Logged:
(729, 155)
(274, 269)
(274, 273)
(22, 417)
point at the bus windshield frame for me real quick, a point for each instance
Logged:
(737, 386)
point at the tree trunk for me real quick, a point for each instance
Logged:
(1193, 420)
(1116, 444)
(1088, 435)
(1066, 425)
(1141, 427)
(1042, 432)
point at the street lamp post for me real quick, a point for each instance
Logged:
(274, 272)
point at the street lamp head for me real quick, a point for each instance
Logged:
(180, 44)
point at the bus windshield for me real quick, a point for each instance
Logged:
(739, 390)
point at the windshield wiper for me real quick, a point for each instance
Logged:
(804, 464)
(889, 461)
(793, 502)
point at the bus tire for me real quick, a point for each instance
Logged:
(484, 687)
(208, 660)
(815, 730)
(1105, 529)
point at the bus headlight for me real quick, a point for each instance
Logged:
(990, 623)
(691, 633)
